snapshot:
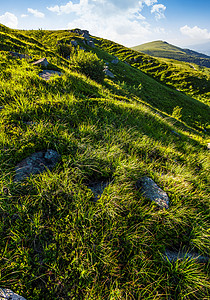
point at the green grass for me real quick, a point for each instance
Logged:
(56, 242)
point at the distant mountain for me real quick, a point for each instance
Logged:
(203, 48)
(166, 50)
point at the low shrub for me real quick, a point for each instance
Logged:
(89, 64)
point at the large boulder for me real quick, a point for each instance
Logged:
(36, 163)
(152, 191)
(9, 295)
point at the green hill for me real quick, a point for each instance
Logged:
(166, 50)
(84, 229)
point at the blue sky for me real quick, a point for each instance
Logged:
(129, 22)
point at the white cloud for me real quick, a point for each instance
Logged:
(36, 13)
(158, 10)
(150, 2)
(9, 19)
(24, 16)
(118, 20)
(195, 32)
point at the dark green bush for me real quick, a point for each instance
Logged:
(64, 50)
(89, 64)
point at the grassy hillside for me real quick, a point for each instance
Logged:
(166, 50)
(56, 240)
(192, 81)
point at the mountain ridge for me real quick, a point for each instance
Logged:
(165, 50)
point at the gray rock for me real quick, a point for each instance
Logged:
(10, 295)
(108, 73)
(47, 74)
(97, 188)
(20, 55)
(153, 192)
(173, 256)
(91, 44)
(74, 43)
(41, 62)
(115, 61)
(35, 164)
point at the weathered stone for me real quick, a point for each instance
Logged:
(173, 256)
(115, 61)
(9, 295)
(20, 55)
(97, 188)
(74, 43)
(91, 44)
(41, 62)
(153, 192)
(36, 163)
(47, 74)
(108, 73)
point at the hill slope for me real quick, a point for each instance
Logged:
(166, 50)
(84, 229)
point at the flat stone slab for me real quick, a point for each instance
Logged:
(35, 164)
(97, 188)
(20, 55)
(47, 74)
(153, 192)
(9, 295)
(41, 62)
(108, 73)
(173, 256)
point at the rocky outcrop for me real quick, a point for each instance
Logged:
(152, 191)
(41, 62)
(9, 295)
(47, 74)
(35, 164)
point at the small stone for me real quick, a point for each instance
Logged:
(47, 74)
(97, 188)
(153, 192)
(35, 164)
(74, 43)
(115, 61)
(173, 256)
(208, 146)
(108, 73)
(41, 62)
(9, 295)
